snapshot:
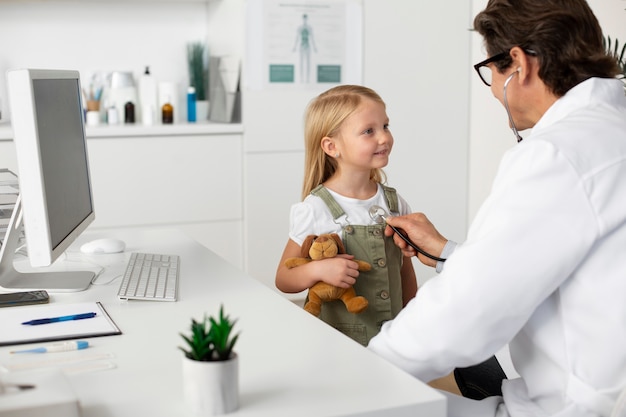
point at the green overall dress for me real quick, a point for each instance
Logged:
(381, 286)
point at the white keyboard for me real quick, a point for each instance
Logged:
(150, 276)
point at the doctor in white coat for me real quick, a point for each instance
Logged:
(543, 268)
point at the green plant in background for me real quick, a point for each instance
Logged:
(198, 69)
(613, 48)
(211, 339)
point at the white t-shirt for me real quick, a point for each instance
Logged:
(312, 216)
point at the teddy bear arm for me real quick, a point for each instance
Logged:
(363, 266)
(293, 262)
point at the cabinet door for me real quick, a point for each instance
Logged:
(166, 180)
(273, 184)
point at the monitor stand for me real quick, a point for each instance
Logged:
(52, 281)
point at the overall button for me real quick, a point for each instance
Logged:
(384, 295)
(349, 230)
(381, 262)
(378, 232)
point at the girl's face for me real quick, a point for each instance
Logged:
(365, 140)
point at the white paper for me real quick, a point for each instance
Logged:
(13, 332)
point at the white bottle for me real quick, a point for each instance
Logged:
(112, 116)
(147, 98)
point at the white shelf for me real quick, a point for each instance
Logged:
(139, 130)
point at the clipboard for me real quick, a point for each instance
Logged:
(13, 332)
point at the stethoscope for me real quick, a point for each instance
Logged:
(506, 106)
(379, 215)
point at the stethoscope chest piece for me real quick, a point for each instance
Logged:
(379, 215)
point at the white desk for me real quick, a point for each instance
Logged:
(291, 364)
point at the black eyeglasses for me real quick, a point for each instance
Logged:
(484, 72)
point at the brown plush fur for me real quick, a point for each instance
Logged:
(321, 247)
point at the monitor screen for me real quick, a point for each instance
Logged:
(64, 167)
(55, 203)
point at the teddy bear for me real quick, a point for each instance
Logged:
(325, 246)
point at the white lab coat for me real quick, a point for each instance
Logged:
(543, 269)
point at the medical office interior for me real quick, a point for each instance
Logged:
(230, 185)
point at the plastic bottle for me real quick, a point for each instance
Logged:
(147, 97)
(112, 117)
(167, 112)
(191, 104)
(129, 112)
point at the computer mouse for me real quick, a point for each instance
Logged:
(105, 245)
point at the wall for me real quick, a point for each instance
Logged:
(92, 36)
(426, 95)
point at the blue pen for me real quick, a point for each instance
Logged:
(57, 347)
(62, 318)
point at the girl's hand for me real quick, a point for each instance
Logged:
(340, 271)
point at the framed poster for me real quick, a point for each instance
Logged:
(304, 44)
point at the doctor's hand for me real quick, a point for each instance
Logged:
(421, 232)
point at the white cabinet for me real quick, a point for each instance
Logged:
(188, 177)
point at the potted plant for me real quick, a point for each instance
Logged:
(211, 366)
(199, 77)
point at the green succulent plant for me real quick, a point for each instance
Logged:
(198, 70)
(211, 339)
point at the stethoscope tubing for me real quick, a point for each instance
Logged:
(414, 246)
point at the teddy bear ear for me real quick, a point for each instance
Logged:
(306, 245)
(337, 239)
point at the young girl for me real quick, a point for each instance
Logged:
(348, 142)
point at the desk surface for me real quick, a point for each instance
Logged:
(291, 363)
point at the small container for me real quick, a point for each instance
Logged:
(129, 112)
(147, 98)
(112, 117)
(167, 113)
(93, 118)
(191, 104)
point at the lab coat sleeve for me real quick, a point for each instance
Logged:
(526, 240)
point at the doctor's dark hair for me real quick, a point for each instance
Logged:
(323, 118)
(564, 34)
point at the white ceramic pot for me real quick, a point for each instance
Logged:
(211, 388)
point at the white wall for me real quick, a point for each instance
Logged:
(91, 36)
(426, 88)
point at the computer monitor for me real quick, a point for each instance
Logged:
(55, 203)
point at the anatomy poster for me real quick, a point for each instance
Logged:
(300, 44)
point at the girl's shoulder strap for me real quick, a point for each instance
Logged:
(334, 207)
(392, 198)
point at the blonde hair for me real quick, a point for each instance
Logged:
(324, 116)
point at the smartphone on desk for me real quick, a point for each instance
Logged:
(24, 298)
